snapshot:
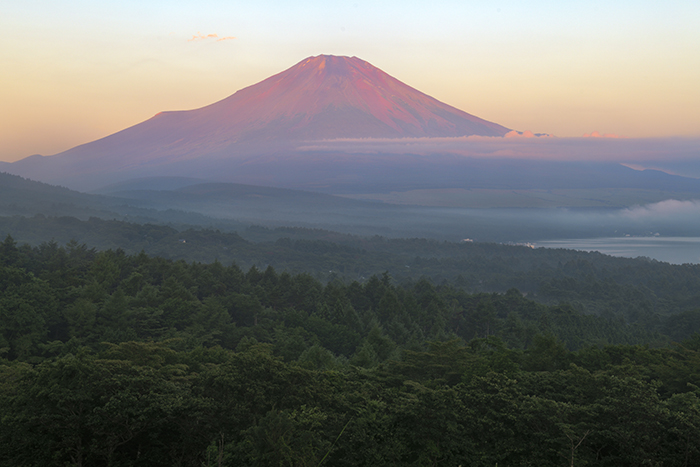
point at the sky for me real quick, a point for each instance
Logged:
(72, 71)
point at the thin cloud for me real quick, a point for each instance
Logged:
(596, 134)
(202, 37)
(672, 155)
(526, 134)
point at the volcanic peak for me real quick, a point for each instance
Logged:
(327, 96)
(320, 98)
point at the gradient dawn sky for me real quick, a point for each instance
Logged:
(72, 71)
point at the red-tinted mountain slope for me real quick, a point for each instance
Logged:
(323, 97)
(329, 97)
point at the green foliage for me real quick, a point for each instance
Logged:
(116, 359)
(637, 291)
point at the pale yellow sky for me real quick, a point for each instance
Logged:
(75, 71)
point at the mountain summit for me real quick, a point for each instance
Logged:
(327, 97)
(320, 98)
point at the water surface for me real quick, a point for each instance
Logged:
(675, 250)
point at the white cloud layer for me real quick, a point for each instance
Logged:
(670, 209)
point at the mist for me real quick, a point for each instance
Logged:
(677, 156)
(283, 207)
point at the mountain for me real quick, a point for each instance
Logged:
(320, 98)
(335, 125)
(328, 97)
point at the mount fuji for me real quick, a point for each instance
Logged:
(320, 98)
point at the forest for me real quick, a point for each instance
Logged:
(115, 358)
(656, 295)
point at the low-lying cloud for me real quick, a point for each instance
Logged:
(672, 155)
(666, 218)
(670, 209)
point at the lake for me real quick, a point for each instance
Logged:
(675, 250)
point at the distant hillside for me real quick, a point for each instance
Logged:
(20, 196)
(23, 197)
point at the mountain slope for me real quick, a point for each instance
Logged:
(327, 97)
(323, 97)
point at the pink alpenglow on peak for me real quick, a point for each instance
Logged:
(329, 97)
(321, 98)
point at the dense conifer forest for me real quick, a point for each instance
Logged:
(119, 359)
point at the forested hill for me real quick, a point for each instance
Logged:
(27, 198)
(635, 291)
(57, 298)
(123, 360)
